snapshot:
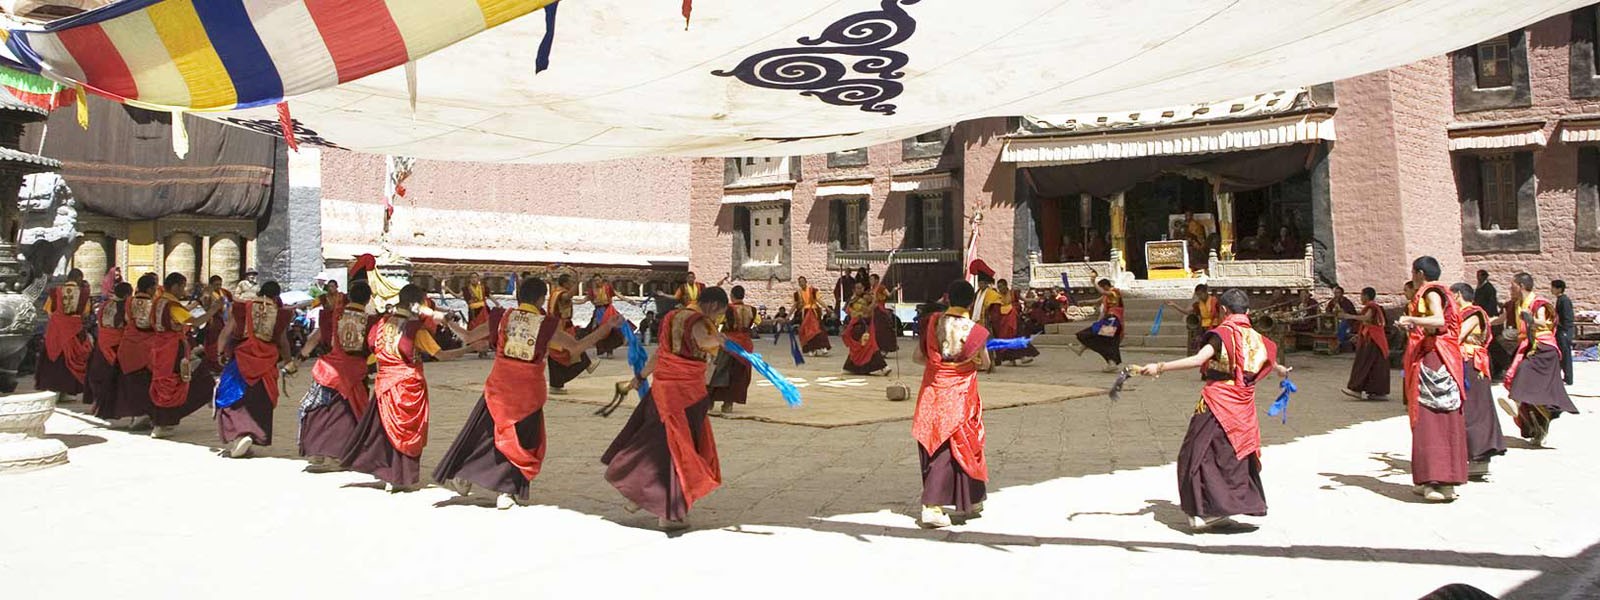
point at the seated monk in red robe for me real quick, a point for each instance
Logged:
(173, 362)
(808, 311)
(501, 448)
(256, 340)
(388, 441)
(337, 396)
(665, 457)
(730, 383)
(100, 380)
(1433, 382)
(948, 422)
(64, 357)
(1219, 463)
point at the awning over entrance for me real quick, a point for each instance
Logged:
(1234, 171)
(1580, 129)
(920, 182)
(1497, 136)
(755, 195)
(1205, 139)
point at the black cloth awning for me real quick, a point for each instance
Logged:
(123, 165)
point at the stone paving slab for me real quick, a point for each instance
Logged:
(1082, 505)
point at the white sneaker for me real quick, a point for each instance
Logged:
(1449, 492)
(139, 423)
(504, 502)
(160, 433)
(593, 364)
(1199, 524)
(933, 517)
(1354, 394)
(629, 507)
(1434, 494)
(666, 525)
(240, 447)
(558, 391)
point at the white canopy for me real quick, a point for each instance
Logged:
(802, 76)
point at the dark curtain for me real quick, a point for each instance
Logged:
(1239, 171)
(123, 165)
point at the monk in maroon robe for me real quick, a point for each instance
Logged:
(173, 360)
(1535, 381)
(948, 422)
(665, 458)
(388, 441)
(1433, 385)
(100, 380)
(64, 358)
(337, 397)
(133, 354)
(565, 365)
(730, 383)
(1484, 439)
(256, 339)
(1369, 373)
(1005, 322)
(808, 313)
(602, 295)
(884, 326)
(502, 446)
(1219, 463)
(864, 357)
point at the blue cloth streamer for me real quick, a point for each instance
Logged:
(791, 394)
(231, 386)
(637, 355)
(1281, 405)
(541, 61)
(1155, 329)
(1066, 288)
(1095, 328)
(1466, 382)
(1343, 332)
(794, 348)
(996, 345)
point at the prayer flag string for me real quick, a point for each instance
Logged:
(790, 393)
(1281, 405)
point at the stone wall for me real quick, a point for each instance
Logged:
(1365, 187)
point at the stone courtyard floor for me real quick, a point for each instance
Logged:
(1083, 504)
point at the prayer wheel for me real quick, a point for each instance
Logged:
(92, 256)
(225, 258)
(181, 255)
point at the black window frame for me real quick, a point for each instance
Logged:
(848, 158)
(1470, 97)
(912, 148)
(838, 210)
(1583, 66)
(1469, 188)
(916, 228)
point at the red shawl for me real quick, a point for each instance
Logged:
(515, 390)
(402, 391)
(1474, 353)
(1530, 338)
(862, 345)
(735, 330)
(1233, 401)
(134, 352)
(168, 345)
(108, 339)
(338, 370)
(63, 334)
(948, 407)
(258, 359)
(1375, 333)
(677, 384)
(1446, 342)
(1003, 322)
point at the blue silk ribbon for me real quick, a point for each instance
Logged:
(541, 61)
(791, 394)
(996, 345)
(231, 386)
(1281, 405)
(794, 348)
(1155, 329)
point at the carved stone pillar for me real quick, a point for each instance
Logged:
(181, 255)
(225, 258)
(92, 256)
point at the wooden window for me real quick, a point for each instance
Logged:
(930, 222)
(765, 235)
(847, 158)
(849, 224)
(1494, 62)
(1498, 209)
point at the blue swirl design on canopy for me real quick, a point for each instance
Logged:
(818, 66)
